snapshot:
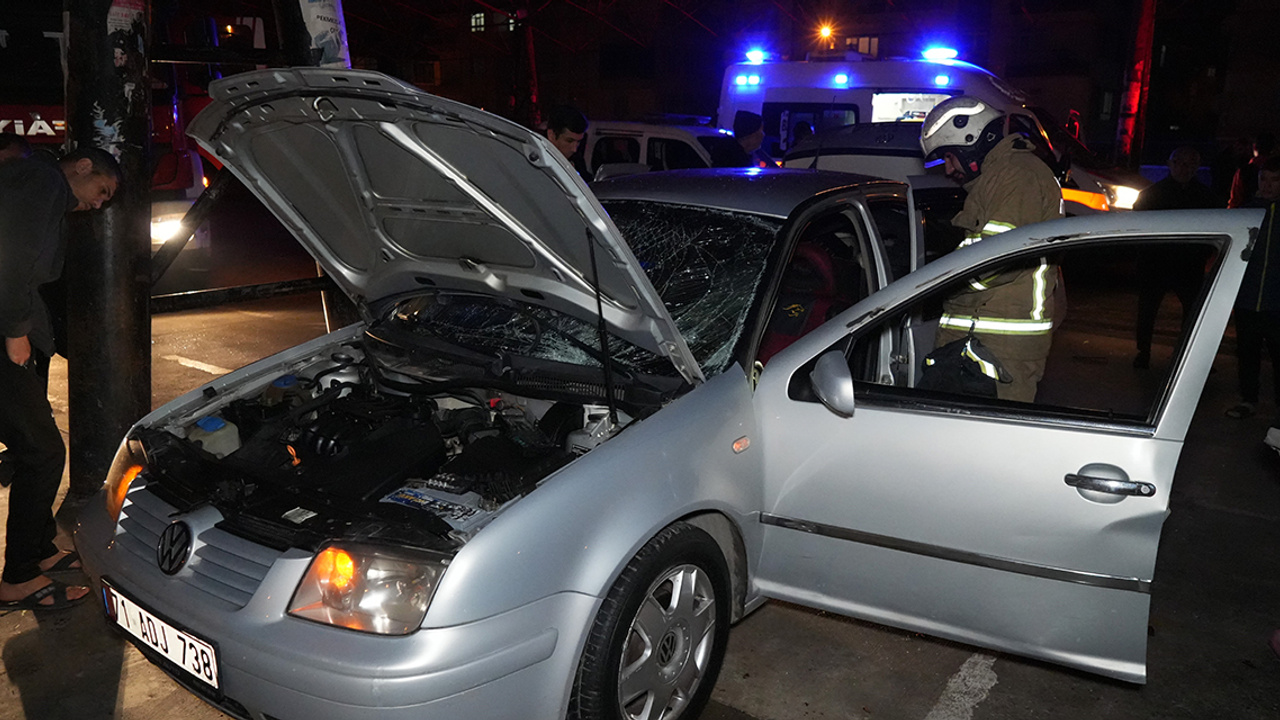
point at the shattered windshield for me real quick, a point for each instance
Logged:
(705, 264)
(489, 325)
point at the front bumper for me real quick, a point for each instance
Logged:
(518, 664)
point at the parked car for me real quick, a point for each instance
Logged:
(892, 149)
(658, 146)
(578, 434)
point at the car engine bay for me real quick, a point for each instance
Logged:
(342, 446)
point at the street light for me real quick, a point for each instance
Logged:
(826, 36)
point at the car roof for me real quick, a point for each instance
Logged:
(753, 190)
(626, 126)
(887, 138)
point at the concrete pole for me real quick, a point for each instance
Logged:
(107, 273)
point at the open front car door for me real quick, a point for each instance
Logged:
(1029, 527)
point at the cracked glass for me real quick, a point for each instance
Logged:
(705, 264)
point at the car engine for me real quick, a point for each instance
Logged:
(330, 449)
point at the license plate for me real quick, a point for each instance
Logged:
(194, 656)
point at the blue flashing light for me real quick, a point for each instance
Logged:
(755, 56)
(842, 79)
(753, 79)
(740, 80)
(937, 53)
(942, 80)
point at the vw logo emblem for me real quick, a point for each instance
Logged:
(174, 548)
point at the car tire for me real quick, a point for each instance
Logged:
(657, 644)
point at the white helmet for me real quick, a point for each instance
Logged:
(963, 126)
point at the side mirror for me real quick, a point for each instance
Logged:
(833, 384)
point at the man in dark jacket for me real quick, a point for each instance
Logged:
(748, 136)
(35, 196)
(1257, 310)
(1176, 269)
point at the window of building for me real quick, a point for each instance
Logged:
(867, 45)
(477, 22)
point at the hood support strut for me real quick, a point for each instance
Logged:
(603, 330)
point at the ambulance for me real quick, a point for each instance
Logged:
(849, 101)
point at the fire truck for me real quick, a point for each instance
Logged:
(32, 53)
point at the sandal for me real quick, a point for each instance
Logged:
(56, 590)
(69, 562)
(1243, 410)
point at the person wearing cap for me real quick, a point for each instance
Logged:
(1008, 186)
(748, 135)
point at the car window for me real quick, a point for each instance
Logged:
(1089, 372)
(707, 265)
(893, 223)
(668, 154)
(614, 150)
(934, 208)
(828, 271)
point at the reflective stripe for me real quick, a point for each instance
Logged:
(997, 327)
(995, 227)
(1039, 296)
(988, 369)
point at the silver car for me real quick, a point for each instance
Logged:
(579, 434)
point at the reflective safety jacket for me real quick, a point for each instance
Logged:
(1015, 188)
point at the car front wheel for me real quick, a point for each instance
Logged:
(657, 644)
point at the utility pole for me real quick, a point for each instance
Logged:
(106, 275)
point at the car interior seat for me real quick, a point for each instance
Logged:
(808, 292)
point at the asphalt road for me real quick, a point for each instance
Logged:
(1214, 602)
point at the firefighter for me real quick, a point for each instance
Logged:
(1008, 186)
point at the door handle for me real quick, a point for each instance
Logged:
(1107, 485)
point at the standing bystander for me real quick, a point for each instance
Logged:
(566, 127)
(748, 136)
(1176, 269)
(35, 196)
(1244, 186)
(1257, 310)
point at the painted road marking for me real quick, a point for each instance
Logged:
(968, 687)
(197, 365)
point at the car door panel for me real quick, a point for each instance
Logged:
(957, 519)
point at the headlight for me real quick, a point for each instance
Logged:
(125, 467)
(165, 227)
(1122, 196)
(369, 588)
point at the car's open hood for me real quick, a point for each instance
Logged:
(394, 190)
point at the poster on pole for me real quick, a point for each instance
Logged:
(328, 31)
